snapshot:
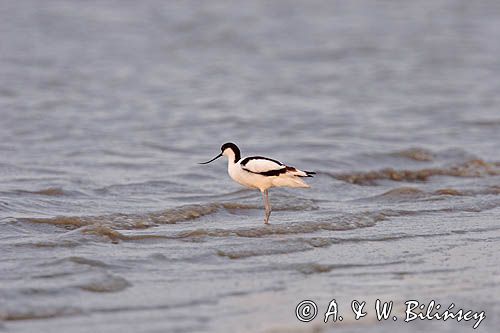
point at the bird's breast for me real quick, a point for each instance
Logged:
(239, 175)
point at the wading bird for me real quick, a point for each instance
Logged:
(261, 173)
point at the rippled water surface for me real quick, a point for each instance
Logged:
(107, 223)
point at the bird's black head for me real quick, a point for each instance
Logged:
(228, 149)
(234, 148)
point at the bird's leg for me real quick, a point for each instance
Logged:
(267, 205)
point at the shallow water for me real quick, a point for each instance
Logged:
(108, 224)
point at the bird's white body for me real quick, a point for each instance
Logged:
(250, 175)
(261, 173)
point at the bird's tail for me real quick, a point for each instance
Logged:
(299, 173)
(309, 173)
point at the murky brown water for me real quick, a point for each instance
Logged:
(107, 223)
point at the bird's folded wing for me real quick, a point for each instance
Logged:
(258, 164)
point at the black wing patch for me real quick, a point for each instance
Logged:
(248, 159)
(276, 172)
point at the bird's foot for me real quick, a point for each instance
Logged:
(266, 218)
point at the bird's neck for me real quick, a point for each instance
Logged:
(233, 156)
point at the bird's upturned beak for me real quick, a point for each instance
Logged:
(213, 159)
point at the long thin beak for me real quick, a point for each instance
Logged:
(213, 159)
